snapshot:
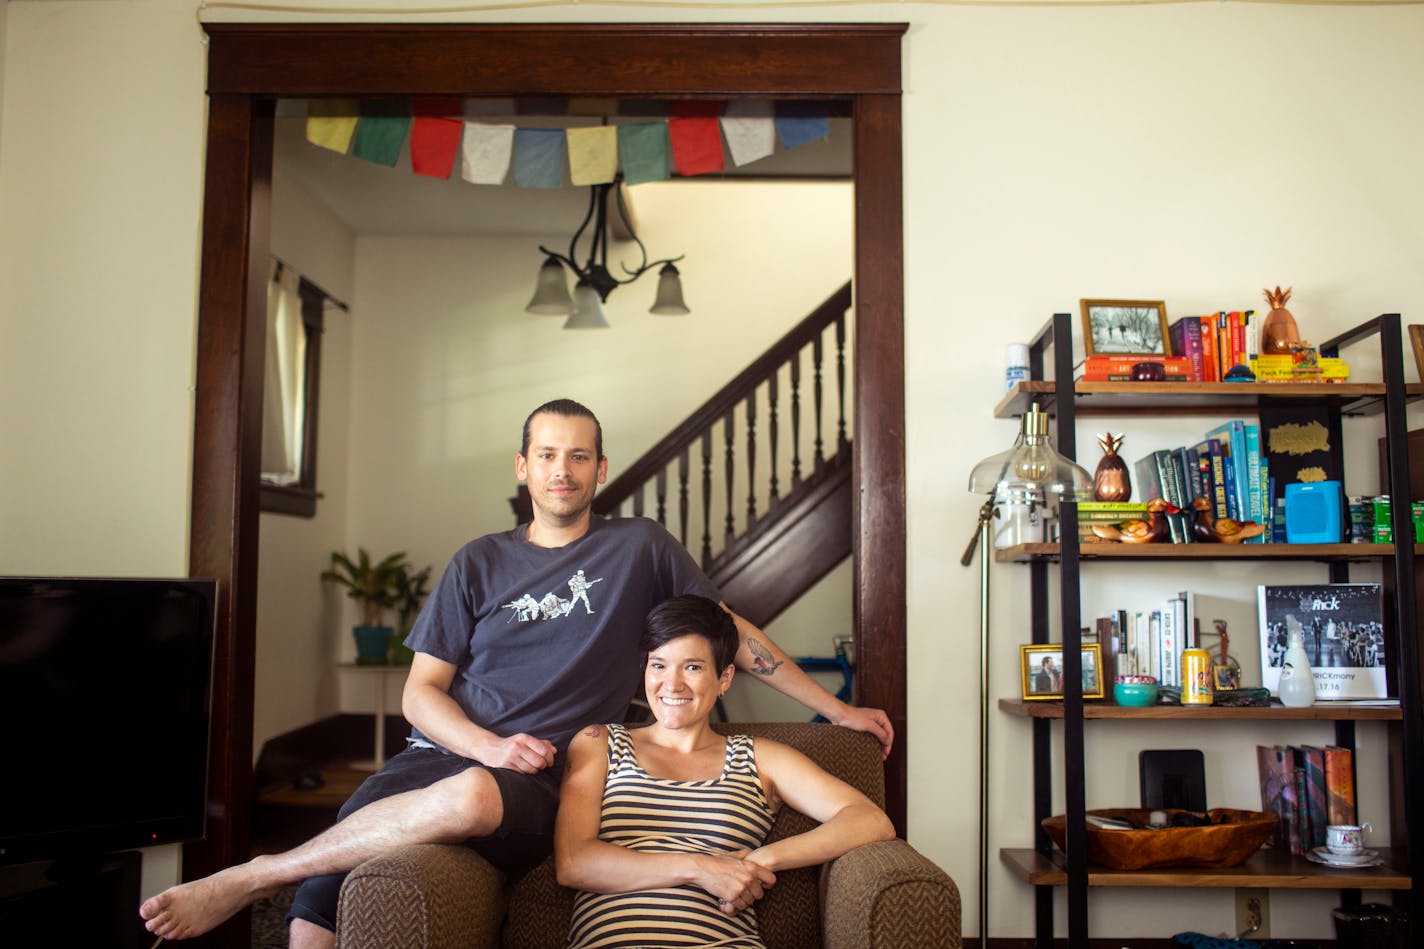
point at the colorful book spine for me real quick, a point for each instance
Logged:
(1255, 499)
(1210, 450)
(1339, 785)
(1290, 806)
(1211, 362)
(1315, 795)
(1301, 838)
(1270, 789)
(1228, 472)
(1186, 338)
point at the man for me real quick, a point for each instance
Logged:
(497, 689)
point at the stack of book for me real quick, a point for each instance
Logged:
(1308, 788)
(1101, 513)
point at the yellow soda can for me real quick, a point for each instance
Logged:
(1196, 677)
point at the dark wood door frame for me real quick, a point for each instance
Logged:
(250, 66)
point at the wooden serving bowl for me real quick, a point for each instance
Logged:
(1235, 836)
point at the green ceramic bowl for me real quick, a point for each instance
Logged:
(1135, 693)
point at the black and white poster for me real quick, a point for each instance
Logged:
(1342, 628)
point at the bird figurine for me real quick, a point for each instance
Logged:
(1139, 531)
(1213, 530)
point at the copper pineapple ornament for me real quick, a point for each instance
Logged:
(1278, 330)
(1110, 480)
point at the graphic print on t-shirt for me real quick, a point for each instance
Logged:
(552, 606)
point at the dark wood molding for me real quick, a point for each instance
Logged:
(227, 448)
(709, 60)
(252, 65)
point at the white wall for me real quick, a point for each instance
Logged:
(297, 615)
(1191, 153)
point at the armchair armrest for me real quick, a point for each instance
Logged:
(427, 895)
(885, 895)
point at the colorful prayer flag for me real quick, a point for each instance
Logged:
(800, 123)
(750, 130)
(486, 153)
(331, 123)
(643, 148)
(593, 154)
(433, 146)
(696, 145)
(381, 132)
(539, 158)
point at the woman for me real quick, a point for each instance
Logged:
(661, 827)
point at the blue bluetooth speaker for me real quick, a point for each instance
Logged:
(1314, 513)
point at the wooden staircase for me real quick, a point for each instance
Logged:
(770, 518)
(766, 540)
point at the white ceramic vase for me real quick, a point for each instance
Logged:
(1297, 686)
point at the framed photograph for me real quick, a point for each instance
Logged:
(1125, 328)
(1042, 668)
(1342, 625)
(1416, 341)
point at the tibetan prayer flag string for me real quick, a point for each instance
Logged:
(643, 148)
(433, 146)
(539, 158)
(593, 155)
(381, 133)
(487, 150)
(800, 123)
(331, 123)
(696, 145)
(749, 130)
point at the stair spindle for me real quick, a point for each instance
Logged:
(729, 425)
(751, 458)
(682, 466)
(661, 485)
(841, 441)
(771, 433)
(637, 503)
(795, 418)
(817, 355)
(706, 498)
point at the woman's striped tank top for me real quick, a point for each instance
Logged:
(640, 812)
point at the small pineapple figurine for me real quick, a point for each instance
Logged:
(1110, 480)
(1278, 330)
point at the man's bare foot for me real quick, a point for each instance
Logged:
(191, 909)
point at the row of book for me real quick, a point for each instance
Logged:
(1308, 788)
(1148, 642)
(1215, 343)
(1227, 467)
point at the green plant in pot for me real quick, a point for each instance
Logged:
(410, 594)
(372, 584)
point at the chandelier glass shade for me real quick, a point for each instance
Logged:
(594, 281)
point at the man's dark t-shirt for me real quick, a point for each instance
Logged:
(545, 640)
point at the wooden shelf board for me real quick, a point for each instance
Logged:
(1195, 398)
(1319, 712)
(1027, 553)
(1266, 868)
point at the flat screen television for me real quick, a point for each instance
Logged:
(105, 689)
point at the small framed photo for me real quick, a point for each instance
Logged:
(1225, 678)
(1042, 668)
(1125, 328)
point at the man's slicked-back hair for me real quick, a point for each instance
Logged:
(684, 615)
(568, 408)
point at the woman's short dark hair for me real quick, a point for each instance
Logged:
(685, 615)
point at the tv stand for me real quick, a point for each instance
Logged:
(77, 901)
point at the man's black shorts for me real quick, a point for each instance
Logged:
(524, 838)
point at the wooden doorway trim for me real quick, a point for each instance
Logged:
(251, 66)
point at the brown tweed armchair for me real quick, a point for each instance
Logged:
(883, 895)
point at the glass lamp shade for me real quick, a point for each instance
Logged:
(1032, 468)
(588, 311)
(551, 291)
(669, 299)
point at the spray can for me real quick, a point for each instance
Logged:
(1196, 677)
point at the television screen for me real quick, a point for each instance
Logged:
(104, 693)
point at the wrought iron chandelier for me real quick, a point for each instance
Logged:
(594, 280)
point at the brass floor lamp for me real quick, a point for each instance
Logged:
(1021, 487)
